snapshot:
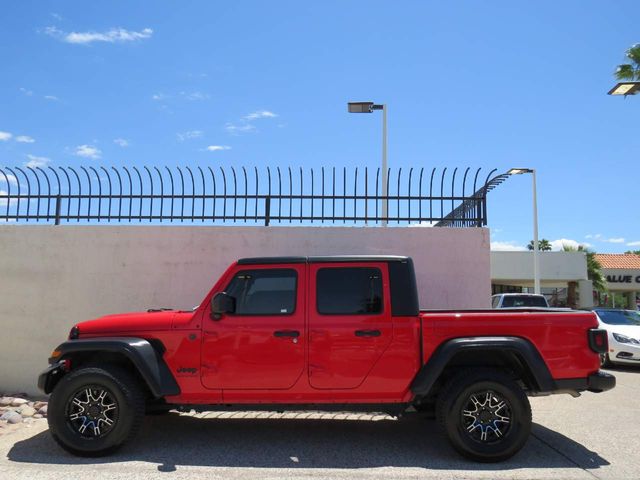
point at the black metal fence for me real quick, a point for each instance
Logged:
(438, 197)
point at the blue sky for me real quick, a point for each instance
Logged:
(483, 84)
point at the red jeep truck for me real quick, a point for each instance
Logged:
(331, 333)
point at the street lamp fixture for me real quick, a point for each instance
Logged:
(625, 88)
(369, 107)
(536, 260)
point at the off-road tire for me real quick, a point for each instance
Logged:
(125, 392)
(457, 395)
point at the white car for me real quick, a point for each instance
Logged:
(518, 300)
(624, 335)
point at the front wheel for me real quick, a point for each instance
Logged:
(485, 415)
(95, 410)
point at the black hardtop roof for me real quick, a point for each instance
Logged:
(323, 259)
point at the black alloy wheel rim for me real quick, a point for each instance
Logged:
(92, 412)
(486, 416)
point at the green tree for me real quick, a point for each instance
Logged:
(635, 252)
(543, 245)
(594, 269)
(630, 71)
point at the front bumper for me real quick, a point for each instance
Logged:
(620, 352)
(50, 376)
(596, 382)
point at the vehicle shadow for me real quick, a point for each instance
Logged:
(174, 440)
(623, 368)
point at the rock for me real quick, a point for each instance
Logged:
(43, 410)
(18, 402)
(37, 415)
(27, 411)
(6, 401)
(11, 417)
(39, 405)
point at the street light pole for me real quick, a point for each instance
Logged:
(369, 107)
(536, 249)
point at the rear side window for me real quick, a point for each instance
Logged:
(264, 292)
(349, 291)
(524, 301)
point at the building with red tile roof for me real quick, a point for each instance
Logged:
(622, 272)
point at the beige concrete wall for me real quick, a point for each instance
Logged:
(556, 268)
(52, 277)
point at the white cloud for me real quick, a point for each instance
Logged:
(507, 247)
(57, 16)
(114, 35)
(633, 244)
(615, 240)
(194, 96)
(35, 161)
(121, 142)
(88, 151)
(24, 139)
(557, 245)
(12, 179)
(27, 92)
(51, 98)
(260, 114)
(3, 201)
(217, 148)
(422, 224)
(158, 96)
(237, 129)
(189, 134)
(4, 136)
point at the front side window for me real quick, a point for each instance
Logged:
(264, 292)
(349, 291)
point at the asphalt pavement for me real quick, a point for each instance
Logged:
(594, 436)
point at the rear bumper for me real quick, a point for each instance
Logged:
(596, 382)
(601, 382)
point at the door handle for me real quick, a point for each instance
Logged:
(368, 333)
(286, 333)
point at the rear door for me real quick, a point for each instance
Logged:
(350, 322)
(261, 345)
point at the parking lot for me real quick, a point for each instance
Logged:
(594, 436)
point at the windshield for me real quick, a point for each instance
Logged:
(619, 317)
(524, 301)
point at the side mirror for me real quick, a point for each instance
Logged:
(222, 303)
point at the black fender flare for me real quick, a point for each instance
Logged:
(431, 370)
(146, 359)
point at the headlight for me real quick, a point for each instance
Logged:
(625, 339)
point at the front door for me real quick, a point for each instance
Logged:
(262, 344)
(350, 323)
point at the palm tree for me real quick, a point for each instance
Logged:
(543, 245)
(594, 269)
(630, 71)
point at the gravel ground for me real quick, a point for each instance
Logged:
(594, 436)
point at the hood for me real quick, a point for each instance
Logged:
(128, 322)
(632, 331)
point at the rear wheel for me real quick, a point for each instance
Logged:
(485, 415)
(604, 360)
(95, 410)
